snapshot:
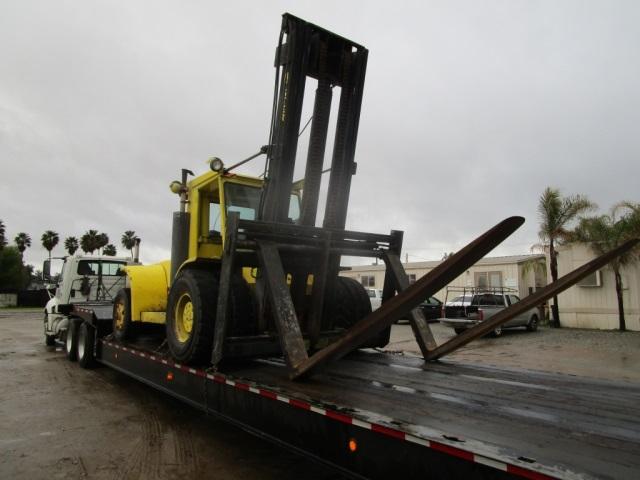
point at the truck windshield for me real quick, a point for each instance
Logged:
(91, 267)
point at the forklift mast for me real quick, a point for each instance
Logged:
(305, 50)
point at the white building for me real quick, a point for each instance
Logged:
(593, 303)
(523, 273)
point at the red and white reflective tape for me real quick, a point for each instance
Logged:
(347, 419)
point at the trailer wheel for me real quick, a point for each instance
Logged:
(86, 344)
(71, 340)
(123, 327)
(532, 326)
(191, 312)
(352, 305)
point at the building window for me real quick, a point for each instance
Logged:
(412, 278)
(488, 280)
(368, 281)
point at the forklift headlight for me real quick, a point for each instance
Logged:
(216, 164)
(176, 187)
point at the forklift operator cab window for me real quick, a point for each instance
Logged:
(246, 201)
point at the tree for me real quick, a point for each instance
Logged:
(109, 250)
(129, 240)
(103, 240)
(89, 241)
(556, 214)
(71, 245)
(23, 241)
(604, 233)
(49, 240)
(13, 275)
(3, 239)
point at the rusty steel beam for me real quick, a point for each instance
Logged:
(282, 308)
(410, 298)
(531, 301)
(418, 322)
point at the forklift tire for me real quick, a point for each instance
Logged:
(352, 305)
(71, 340)
(86, 345)
(191, 313)
(123, 327)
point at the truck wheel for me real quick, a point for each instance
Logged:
(86, 344)
(496, 332)
(123, 327)
(71, 340)
(352, 305)
(191, 312)
(532, 326)
(459, 330)
(49, 340)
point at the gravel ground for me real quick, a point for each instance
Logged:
(601, 354)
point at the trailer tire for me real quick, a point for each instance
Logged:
(71, 339)
(191, 312)
(352, 305)
(532, 326)
(123, 327)
(86, 344)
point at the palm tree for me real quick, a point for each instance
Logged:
(109, 250)
(556, 213)
(103, 240)
(89, 241)
(49, 241)
(23, 240)
(604, 233)
(71, 245)
(3, 239)
(129, 240)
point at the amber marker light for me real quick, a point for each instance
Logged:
(169, 376)
(353, 445)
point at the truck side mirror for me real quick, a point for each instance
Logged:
(46, 270)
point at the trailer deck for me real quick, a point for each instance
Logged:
(391, 415)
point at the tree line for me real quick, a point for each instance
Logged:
(15, 274)
(563, 220)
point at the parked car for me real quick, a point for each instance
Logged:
(375, 297)
(469, 309)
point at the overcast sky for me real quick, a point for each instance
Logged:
(470, 110)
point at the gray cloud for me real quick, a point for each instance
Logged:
(470, 110)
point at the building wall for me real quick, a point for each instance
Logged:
(513, 275)
(597, 307)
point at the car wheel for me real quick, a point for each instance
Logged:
(71, 341)
(496, 332)
(86, 343)
(532, 326)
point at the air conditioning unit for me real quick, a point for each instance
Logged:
(592, 280)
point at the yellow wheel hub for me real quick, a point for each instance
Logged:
(184, 318)
(119, 315)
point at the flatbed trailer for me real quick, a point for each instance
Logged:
(377, 415)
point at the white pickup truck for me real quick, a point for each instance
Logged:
(88, 280)
(474, 306)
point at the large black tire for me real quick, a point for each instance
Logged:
(352, 305)
(123, 327)
(532, 326)
(49, 340)
(71, 339)
(86, 345)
